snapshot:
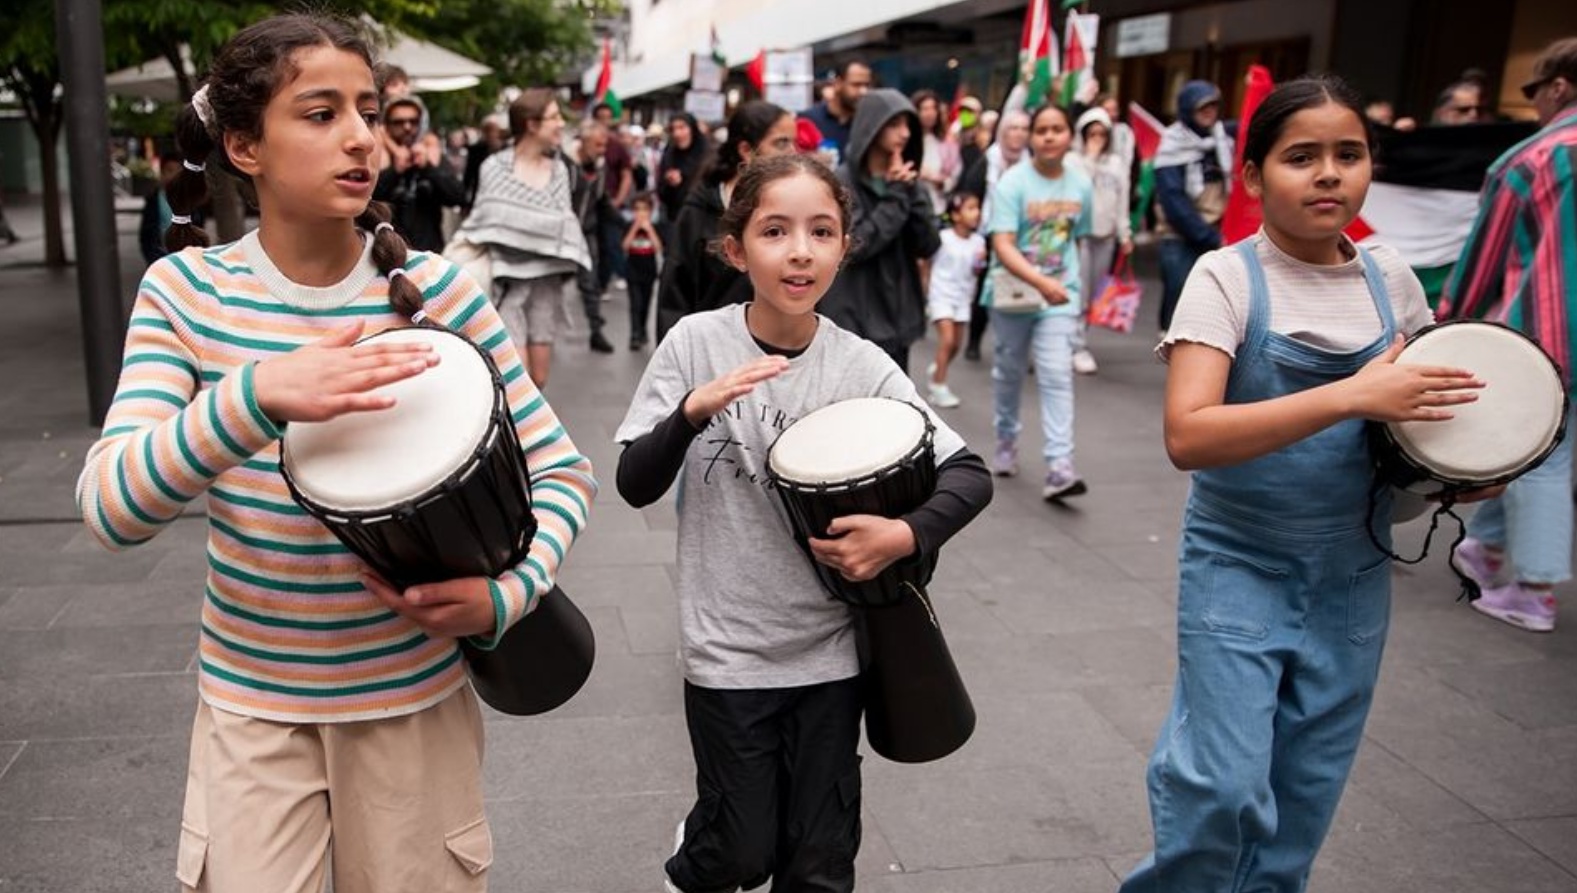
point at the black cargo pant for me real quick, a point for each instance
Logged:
(777, 789)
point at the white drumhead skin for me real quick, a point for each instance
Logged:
(847, 440)
(1515, 417)
(365, 461)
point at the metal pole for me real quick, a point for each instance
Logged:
(79, 31)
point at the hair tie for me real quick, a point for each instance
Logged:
(180, 219)
(381, 227)
(397, 273)
(204, 109)
(418, 317)
(194, 168)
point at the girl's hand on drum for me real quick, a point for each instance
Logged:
(862, 546)
(1387, 391)
(713, 397)
(445, 610)
(333, 375)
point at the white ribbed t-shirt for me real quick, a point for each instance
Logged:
(1327, 307)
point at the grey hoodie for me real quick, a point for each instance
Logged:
(878, 295)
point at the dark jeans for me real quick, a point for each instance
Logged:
(611, 251)
(777, 789)
(1177, 259)
(590, 298)
(642, 280)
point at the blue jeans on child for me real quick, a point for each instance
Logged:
(1532, 521)
(1052, 340)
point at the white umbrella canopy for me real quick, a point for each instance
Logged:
(432, 69)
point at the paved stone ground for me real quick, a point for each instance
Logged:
(1060, 620)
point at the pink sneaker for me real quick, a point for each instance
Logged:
(1479, 564)
(1529, 609)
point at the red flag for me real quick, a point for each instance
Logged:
(1146, 131)
(1242, 216)
(952, 107)
(605, 77)
(756, 70)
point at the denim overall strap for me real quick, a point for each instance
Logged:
(1319, 485)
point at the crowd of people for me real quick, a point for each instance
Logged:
(796, 262)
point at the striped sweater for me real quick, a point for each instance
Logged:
(288, 631)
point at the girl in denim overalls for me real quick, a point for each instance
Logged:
(1283, 600)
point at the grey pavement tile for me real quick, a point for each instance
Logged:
(187, 533)
(23, 567)
(122, 604)
(1034, 730)
(661, 515)
(38, 539)
(1152, 561)
(9, 751)
(651, 630)
(942, 819)
(1385, 792)
(623, 585)
(607, 549)
(1465, 746)
(95, 706)
(591, 844)
(1060, 605)
(1555, 838)
(182, 567)
(99, 854)
(1456, 859)
(1080, 875)
(552, 758)
(1529, 693)
(1026, 664)
(1135, 711)
(1449, 634)
(607, 629)
(96, 651)
(961, 615)
(34, 607)
(128, 778)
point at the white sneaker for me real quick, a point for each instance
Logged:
(1084, 362)
(942, 397)
(668, 884)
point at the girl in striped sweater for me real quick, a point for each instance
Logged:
(324, 693)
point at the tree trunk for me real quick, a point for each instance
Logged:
(228, 206)
(54, 232)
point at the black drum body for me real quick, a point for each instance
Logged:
(477, 522)
(916, 706)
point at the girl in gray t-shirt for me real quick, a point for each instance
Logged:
(771, 675)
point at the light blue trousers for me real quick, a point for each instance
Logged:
(1051, 341)
(1532, 521)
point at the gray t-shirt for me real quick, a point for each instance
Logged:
(751, 612)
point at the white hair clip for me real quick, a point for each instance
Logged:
(204, 109)
(381, 227)
(416, 319)
(194, 168)
(180, 219)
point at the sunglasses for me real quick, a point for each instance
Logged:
(1531, 88)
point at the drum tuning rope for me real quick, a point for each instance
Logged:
(929, 612)
(1470, 588)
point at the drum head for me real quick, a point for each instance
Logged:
(847, 441)
(366, 461)
(1516, 418)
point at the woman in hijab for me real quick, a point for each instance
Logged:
(680, 165)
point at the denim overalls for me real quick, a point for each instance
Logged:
(1283, 604)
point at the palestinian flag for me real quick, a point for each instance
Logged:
(1425, 193)
(716, 49)
(1242, 216)
(1146, 142)
(604, 91)
(1080, 33)
(1037, 52)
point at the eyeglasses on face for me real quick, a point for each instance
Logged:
(1531, 88)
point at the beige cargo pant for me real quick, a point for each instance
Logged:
(395, 803)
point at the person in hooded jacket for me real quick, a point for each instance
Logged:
(680, 166)
(1095, 154)
(695, 277)
(418, 183)
(877, 295)
(1193, 169)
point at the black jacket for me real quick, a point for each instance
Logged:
(877, 295)
(695, 279)
(418, 198)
